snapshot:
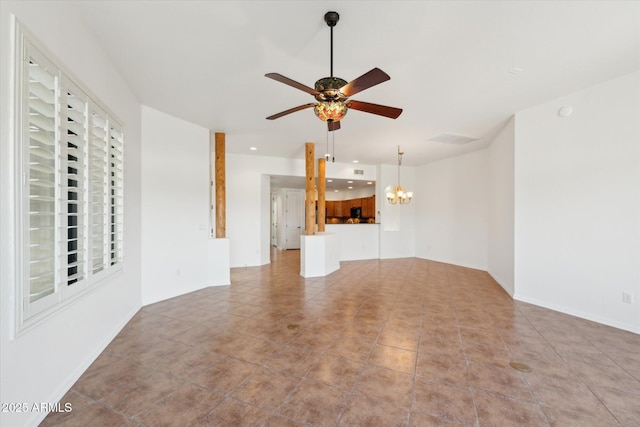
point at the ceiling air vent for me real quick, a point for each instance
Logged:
(450, 138)
(358, 172)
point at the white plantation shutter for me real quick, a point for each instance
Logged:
(116, 196)
(74, 154)
(98, 189)
(71, 186)
(41, 181)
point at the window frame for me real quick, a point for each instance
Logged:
(65, 291)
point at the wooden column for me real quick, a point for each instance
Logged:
(221, 188)
(321, 195)
(310, 199)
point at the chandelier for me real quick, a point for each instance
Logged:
(397, 194)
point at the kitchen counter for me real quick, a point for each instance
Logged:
(352, 223)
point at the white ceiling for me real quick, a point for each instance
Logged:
(452, 65)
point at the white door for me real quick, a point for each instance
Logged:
(294, 218)
(274, 220)
(280, 220)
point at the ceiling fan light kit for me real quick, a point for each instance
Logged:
(330, 111)
(332, 93)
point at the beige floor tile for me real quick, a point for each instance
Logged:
(315, 404)
(379, 342)
(266, 389)
(444, 401)
(366, 411)
(183, 407)
(384, 384)
(393, 358)
(233, 412)
(336, 371)
(494, 410)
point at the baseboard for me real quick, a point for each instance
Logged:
(445, 261)
(500, 282)
(77, 373)
(178, 293)
(579, 314)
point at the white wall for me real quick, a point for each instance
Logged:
(397, 222)
(452, 220)
(500, 201)
(42, 364)
(248, 204)
(577, 204)
(178, 255)
(347, 171)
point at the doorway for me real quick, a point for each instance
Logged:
(287, 218)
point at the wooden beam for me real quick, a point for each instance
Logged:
(221, 188)
(310, 199)
(321, 195)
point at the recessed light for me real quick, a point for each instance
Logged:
(349, 182)
(355, 161)
(335, 191)
(350, 187)
(329, 180)
(370, 182)
(253, 148)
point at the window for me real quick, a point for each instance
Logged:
(70, 186)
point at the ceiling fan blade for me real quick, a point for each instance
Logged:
(381, 110)
(333, 126)
(365, 81)
(291, 110)
(286, 80)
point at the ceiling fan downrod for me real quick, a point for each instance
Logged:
(331, 18)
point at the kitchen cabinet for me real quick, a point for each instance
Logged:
(346, 208)
(369, 207)
(334, 208)
(342, 208)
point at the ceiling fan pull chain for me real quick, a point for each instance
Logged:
(327, 154)
(333, 136)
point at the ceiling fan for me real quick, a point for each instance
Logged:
(332, 93)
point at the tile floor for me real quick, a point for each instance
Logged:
(404, 342)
